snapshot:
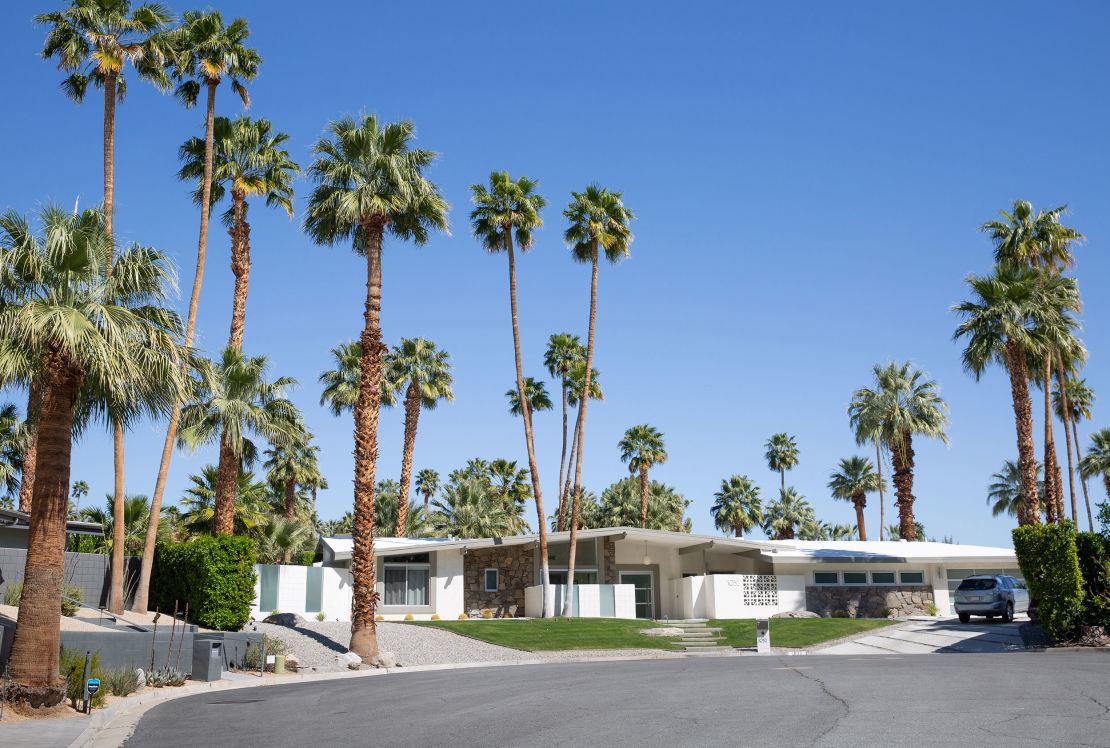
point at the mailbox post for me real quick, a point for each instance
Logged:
(208, 660)
(762, 636)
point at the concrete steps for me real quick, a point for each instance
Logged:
(697, 638)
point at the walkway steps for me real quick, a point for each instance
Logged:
(697, 638)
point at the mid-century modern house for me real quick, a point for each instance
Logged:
(626, 572)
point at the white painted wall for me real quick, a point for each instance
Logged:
(589, 600)
(724, 596)
(692, 594)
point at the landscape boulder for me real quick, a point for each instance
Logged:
(350, 659)
(292, 664)
(284, 619)
(796, 614)
(386, 660)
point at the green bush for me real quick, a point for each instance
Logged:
(307, 558)
(320, 616)
(13, 592)
(71, 665)
(121, 681)
(1050, 564)
(72, 597)
(252, 657)
(1094, 566)
(214, 575)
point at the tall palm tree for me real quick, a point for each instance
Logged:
(233, 402)
(642, 447)
(1002, 324)
(510, 483)
(788, 515)
(599, 222)
(855, 478)
(574, 388)
(563, 352)
(370, 181)
(738, 507)
(205, 52)
(340, 393)
(427, 484)
(902, 404)
(291, 465)
(1079, 399)
(249, 160)
(1097, 462)
(13, 444)
(504, 216)
(535, 391)
(78, 491)
(416, 367)
(1004, 492)
(781, 455)
(58, 302)
(1067, 360)
(251, 510)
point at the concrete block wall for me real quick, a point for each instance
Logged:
(89, 571)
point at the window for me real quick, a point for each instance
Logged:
(491, 580)
(912, 577)
(826, 577)
(406, 580)
(882, 577)
(855, 577)
(586, 576)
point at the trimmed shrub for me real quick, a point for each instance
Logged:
(1050, 564)
(1094, 566)
(435, 617)
(71, 665)
(72, 597)
(121, 681)
(214, 575)
(464, 617)
(410, 617)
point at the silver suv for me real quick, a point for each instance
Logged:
(991, 595)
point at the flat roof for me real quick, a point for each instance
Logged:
(15, 520)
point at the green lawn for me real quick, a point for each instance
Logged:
(796, 632)
(536, 635)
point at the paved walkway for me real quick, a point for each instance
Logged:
(928, 635)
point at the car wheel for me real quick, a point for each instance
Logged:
(1008, 616)
(965, 617)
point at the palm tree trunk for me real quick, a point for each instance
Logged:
(738, 530)
(563, 516)
(412, 417)
(227, 486)
(1067, 439)
(34, 654)
(1106, 483)
(580, 428)
(314, 500)
(1082, 480)
(290, 498)
(860, 501)
(782, 479)
(643, 495)
(364, 601)
(142, 590)
(1052, 481)
(563, 456)
(241, 266)
(882, 500)
(1023, 421)
(902, 458)
(115, 589)
(110, 92)
(30, 454)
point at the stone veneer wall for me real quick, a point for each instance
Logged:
(868, 601)
(608, 561)
(516, 570)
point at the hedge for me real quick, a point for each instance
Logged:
(214, 575)
(1050, 564)
(1094, 566)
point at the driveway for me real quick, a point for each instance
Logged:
(1020, 699)
(928, 635)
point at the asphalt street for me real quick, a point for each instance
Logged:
(1011, 699)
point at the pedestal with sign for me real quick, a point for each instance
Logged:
(762, 636)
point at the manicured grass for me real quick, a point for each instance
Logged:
(536, 634)
(796, 632)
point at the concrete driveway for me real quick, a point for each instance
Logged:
(943, 635)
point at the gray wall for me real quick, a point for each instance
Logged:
(89, 571)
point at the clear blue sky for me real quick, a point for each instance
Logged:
(808, 179)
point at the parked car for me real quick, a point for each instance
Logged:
(991, 595)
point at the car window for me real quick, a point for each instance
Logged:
(976, 584)
(1007, 583)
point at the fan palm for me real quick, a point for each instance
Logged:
(738, 507)
(136, 514)
(340, 392)
(852, 482)
(505, 215)
(1097, 462)
(111, 333)
(78, 491)
(280, 539)
(233, 402)
(251, 510)
(370, 181)
(642, 447)
(788, 515)
(1004, 323)
(1068, 358)
(536, 393)
(563, 352)
(291, 465)
(472, 509)
(599, 222)
(510, 483)
(1077, 400)
(13, 443)
(417, 521)
(621, 506)
(1004, 492)
(427, 484)
(249, 160)
(574, 388)
(416, 367)
(781, 455)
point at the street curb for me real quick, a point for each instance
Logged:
(1070, 650)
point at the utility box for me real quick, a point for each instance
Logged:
(208, 659)
(762, 636)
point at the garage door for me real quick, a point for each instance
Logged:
(955, 576)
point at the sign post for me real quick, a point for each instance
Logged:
(92, 687)
(762, 636)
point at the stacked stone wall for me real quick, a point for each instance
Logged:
(515, 570)
(866, 601)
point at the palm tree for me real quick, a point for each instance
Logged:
(416, 367)
(1003, 324)
(87, 328)
(1004, 492)
(1079, 399)
(427, 483)
(852, 482)
(472, 509)
(903, 404)
(535, 391)
(620, 506)
(386, 498)
(251, 510)
(510, 483)
(291, 465)
(370, 181)
(13, 443)
(506, 210)
(136, 514)
(234, 401)
(738, 507)
(280, 539)
(788, 515)
(205, 52)
(642, 447)
(563, 352)
(574, 388)
(598, 222)
(78, 491)
(1097, 461)
(250, 160)
(1074, 356)
(781, 455)
(340, 392)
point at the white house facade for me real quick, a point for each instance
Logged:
(626, 572)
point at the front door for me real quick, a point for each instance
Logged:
(645, 598)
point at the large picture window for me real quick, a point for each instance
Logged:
(407, 579)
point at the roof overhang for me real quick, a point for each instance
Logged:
(16, 520)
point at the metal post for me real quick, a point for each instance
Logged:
(85, 703)
(262, 665)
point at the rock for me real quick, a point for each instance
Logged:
(292, 664)
(796, 614)
(386, 660)
(285, 619)
(663, 631)
(140, 676)
(350, 659)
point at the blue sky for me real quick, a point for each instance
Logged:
(808, 179)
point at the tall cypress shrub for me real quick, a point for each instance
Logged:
(1050, 564)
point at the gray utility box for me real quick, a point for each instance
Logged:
(208, 658)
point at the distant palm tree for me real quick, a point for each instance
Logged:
(423, 372)
(1080, 399)
(621, 506)
(855, 478)
(510, 483)
(563, 352)
(788, 515)
(1004, 492)
(1070, 357)
(78, 491)
(292, 464)
(536, 393)
(251, 510)
(386, 497)
(901, 405)
(1097, 462)
(136, 514)
(781, 455)
(370, 181)
(341, 383)
(642, 447)
(427, 483)
(737, 508)
(280, 539)
(13, 445)
(918, 532)
(574, 389)
(472, 509)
